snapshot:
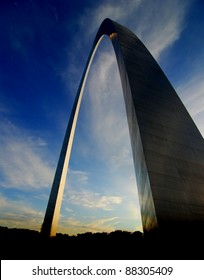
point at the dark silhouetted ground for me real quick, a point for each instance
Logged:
(121, 245)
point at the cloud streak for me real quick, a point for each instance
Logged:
(107, 111)
(19, 214)
(160, 24)
(76, 226)
(21, 162)
(90, 199)
(118, 11)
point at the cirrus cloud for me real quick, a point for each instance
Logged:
(21, 162)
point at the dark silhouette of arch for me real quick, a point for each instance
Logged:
(168, 149)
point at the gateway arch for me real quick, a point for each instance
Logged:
(167, 147)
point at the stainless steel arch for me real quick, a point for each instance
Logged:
(159, 127)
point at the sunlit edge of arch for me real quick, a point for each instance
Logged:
(70, 143)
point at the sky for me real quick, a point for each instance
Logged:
(44, 46)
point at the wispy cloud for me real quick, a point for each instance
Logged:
(74, 226)
(90, 199)
(118, 11)
(80, 177)
(21, 162)
(107, 111)
(19, 214)
(161, 23)
(121, 201)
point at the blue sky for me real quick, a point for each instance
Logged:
(43, 50)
